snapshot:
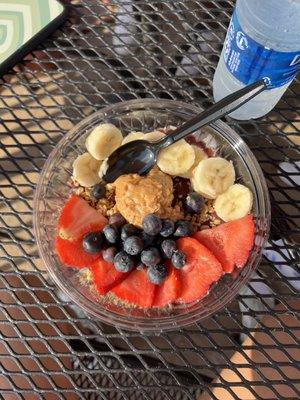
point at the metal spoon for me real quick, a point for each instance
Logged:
(139, 156)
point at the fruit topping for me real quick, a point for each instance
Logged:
(178, 259)
(123, 262)
(105, 276)
(200, 155)
(169, 290)
(154, 136)
(194, 203)
(230, 242)
(176, 159)
(151, 224)
(133, 245)
(136, 289)
(168, 227)
(117, 220)
(158, 241)
(141, 266)
(213, 176)
(111, 234)
(168, 247)
(85, 170)
(78, 218)
(98, 191)
(148, 239)
(133, 136)
(93, 242)
(128, 230)
(150, 256)
(157, 274)
(201, 270)
(183, 228)
(103, 169)
(109, 254)
(235, 203)
(103, 140)
(151, 136)
(71, 253)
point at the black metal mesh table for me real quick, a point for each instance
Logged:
(109, 52)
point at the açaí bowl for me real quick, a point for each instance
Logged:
(52, 192)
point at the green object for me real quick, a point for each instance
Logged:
(22, 20)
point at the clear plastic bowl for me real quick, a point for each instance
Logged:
(52, 192)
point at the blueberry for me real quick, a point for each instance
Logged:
(157, 241)
(157, 274)
(93, 242)
(141, 266)
(98, 191)
(111, 233)
(148, 239)
(183, 228)
(133, 245)
(150, 256)
(109, 254)
(128, 230)
(152, 224)
(178, 259)
(193, 203)
(168, 247)
(168, 227)
(123, 262)
(117, 220)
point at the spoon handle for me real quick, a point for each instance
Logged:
(218, 110)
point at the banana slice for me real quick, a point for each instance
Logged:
(199, 156)
(133, 136)
(235, 203)
(176, 159)
(213, 176)
(153, 136)
(85, 170)
(103, 169)
(103, 140)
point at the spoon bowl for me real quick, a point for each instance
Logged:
(138, 156)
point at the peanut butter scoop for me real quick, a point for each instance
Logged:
(136, 196)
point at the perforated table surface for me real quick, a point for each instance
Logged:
(105, 53)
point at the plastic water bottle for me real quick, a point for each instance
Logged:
(263, 41)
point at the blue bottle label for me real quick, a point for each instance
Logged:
(249, 61)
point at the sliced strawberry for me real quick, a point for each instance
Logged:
(72, 254)
(105, 276)
(77, 218)
(136, 289)
(201, 270)
(169, 291)
(230, 242)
